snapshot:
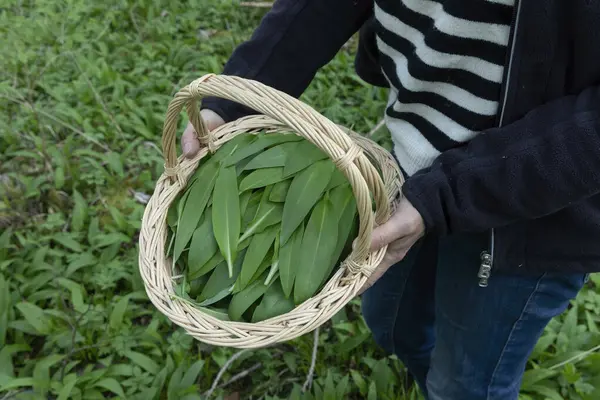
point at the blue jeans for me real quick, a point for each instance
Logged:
(458, 340)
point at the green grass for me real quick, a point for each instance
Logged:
(83, 91)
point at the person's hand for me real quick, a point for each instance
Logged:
(404, 228)
(189, 141)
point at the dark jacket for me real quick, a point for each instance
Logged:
(532, 182)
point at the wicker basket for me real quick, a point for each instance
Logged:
(370, 169)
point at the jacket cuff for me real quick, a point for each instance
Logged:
(419, 190)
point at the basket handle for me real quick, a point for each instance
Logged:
(306, 122)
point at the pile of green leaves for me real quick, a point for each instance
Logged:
(260, 226)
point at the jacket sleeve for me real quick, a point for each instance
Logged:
(538, 165)
(294, 40)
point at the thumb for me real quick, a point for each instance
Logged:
(381, 236)
(386, 233)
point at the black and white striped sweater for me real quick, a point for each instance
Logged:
(444, 62)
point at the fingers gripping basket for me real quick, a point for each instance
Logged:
(371, 171)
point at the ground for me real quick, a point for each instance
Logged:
(83, 90)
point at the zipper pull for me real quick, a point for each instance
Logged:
(485, 269)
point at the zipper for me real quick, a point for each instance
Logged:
(487, 257)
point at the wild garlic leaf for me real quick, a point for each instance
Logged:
(289, 255)
(80, 211)
(261, 178)
(226, 215)
(337, 179)
(241, 301)
(304, 155)
(172, 214)
(217, 297)
(340, 198)
(197, 285)
(265, 265)
(273, 303)
(229, 150)
(280, 190)
(220, 280)
(274, 261)
(216, 313)
(203, 245)
(273, 157)
(306, 189)
(197, 271)
(251, 208)
(260, 245)
(268, 214)
(192, 207)
(244, 200)
(344, 202)
(318, 245)
(222, 153)
(262, 142)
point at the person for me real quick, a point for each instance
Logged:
(494, 111)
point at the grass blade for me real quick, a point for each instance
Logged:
(192, 207)
(261, 178)
(273, 303)
(226, 215)
(288, 258)
(318, 243)
(305, 191)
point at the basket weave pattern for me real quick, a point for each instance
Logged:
(371, 170)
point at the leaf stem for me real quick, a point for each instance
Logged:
(272, 272)
(577, 357)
